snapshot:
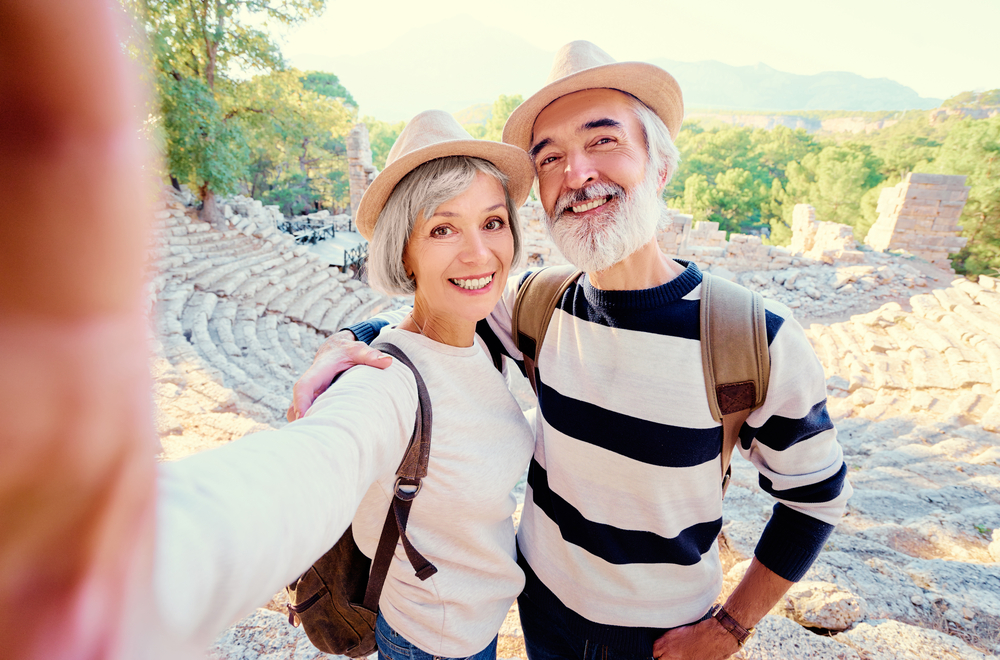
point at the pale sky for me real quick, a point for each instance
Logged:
(937, 48)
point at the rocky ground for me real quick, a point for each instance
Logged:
(913, 364)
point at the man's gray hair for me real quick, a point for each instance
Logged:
(663, 154)
(422, 191)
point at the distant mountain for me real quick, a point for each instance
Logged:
(460, 62)
(759, 87)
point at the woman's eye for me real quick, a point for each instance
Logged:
(441, 231)
(495, 223)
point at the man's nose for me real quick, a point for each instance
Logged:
(580, 170)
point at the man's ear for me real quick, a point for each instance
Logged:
(664, 179)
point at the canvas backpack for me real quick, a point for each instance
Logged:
(734, 351)
(336, 600)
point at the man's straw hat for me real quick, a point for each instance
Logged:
(436, 134)
(581, 65)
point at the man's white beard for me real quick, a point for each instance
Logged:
(600, 242)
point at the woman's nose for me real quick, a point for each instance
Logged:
(474, 247)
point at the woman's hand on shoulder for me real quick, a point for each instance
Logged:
(337, 354)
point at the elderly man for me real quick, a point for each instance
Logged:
(617, 538)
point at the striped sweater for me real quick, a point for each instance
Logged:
(624, 502)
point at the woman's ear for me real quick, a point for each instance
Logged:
(406, 264)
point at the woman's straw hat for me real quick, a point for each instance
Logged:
(581, 65)
(436, 134)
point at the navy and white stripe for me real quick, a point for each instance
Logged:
(624, 500)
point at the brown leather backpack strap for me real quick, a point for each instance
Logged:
(536, 301)
(411, 470)
(735, 358)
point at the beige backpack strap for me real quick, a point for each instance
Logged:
(536, 300)
(735, 358)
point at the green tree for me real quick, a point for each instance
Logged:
(382, 135)
(197, 46)
(833, 181)
(327, 84)
(737, 174)
(972, 148)
(502, 107)
(297, 143)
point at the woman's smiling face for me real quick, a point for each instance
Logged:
(460, 258)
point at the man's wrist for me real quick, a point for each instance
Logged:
(728, 623)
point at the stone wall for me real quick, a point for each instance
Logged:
(706, 245)
(822, 241)
(360, 171)
(920, 215)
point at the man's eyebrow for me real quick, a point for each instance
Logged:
(538, 147)
(607, 122)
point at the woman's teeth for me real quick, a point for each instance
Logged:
(590, 205)
(473, 285)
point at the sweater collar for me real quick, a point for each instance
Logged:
(670, 292)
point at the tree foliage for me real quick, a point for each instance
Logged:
(327, 84)
(491, 128)
(197, 47)
(297, 145)
(972, 148)
(382, 135)
(750, 180)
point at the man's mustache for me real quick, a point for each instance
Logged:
(592, 191)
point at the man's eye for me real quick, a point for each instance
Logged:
(547, 160)
(604, 141)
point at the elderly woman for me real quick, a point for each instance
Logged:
(443, 223)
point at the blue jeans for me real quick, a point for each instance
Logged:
(393, 646)
(549, 638)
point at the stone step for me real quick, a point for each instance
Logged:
(329, 289)
(267, 329)
(333, 319)
(369, 299)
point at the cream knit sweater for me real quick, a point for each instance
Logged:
(237, 523)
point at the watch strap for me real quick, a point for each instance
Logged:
(732, 626)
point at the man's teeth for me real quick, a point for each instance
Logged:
(473, 285)
(589, 205)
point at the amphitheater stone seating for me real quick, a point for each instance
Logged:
(237, 316)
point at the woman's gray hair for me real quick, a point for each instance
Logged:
(663, 153)
(423, 190)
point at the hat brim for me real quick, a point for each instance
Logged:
(510, 160)
(647, 82)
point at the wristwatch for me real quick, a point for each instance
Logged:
(742, 635)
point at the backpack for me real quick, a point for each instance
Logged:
(734, 351)
(336, 600)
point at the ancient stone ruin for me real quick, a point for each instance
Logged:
(360, 171)
(822, 241)
(920, 215)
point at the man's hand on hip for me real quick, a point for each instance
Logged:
(705, 640)
(337, 354)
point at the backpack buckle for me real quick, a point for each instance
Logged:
(406, 495)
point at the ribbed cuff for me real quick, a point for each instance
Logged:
(791, 542)
(367, 331)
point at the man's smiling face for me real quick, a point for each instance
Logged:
(586, 138)
(590, 155)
